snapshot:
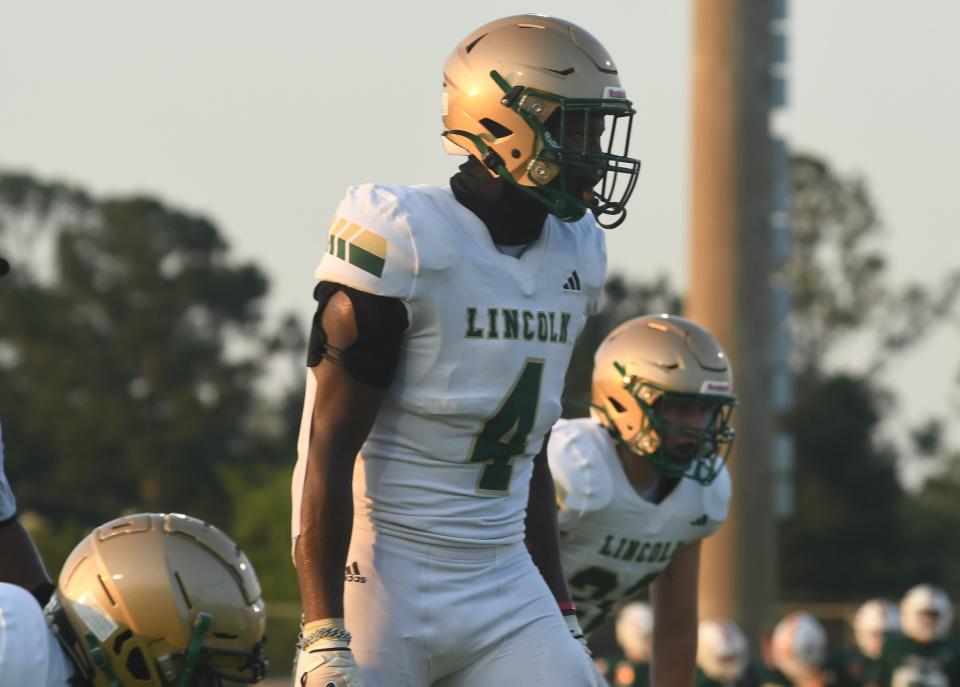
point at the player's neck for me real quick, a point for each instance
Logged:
(639, 471)
(512, 217)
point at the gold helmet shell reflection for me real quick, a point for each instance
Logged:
(160, 599)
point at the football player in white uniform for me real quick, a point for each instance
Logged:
(642, 480)
(445, 323)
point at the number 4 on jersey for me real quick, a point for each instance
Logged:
(504, 434)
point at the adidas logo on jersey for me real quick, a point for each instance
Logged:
(573, 283)
(352, 574)
(702, 520)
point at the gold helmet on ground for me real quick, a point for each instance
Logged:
(649, 363)
(160, 600)
(504, 82)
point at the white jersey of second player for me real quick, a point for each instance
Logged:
(613, 542)
(8, 504)
(482, 364)
(30, 655)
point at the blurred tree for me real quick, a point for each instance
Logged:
(839, 281)
(128, 368)
(849, 538)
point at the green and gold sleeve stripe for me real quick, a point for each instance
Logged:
(358, 245)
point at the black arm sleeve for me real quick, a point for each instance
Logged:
(381, 322)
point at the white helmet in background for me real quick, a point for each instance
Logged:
(926, 613)
(799, 646)
(874, 619)
(635, 631)
(722, 651)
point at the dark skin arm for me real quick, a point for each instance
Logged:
(543, 536)
(343, 414)
(20, 562)
(674, 599)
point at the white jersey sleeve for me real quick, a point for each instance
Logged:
(370, 247)
(583, 483)
(8, 504)
(29, 651)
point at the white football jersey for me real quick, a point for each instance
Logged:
(30, 655)
(482, 364)
(8, 504)
(613, 542)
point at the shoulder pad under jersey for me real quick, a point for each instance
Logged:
(370, 247)
(577, 456)
(717, 495)
(591, 247)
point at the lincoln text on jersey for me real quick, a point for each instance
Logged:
(517, 324)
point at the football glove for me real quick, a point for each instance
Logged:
(570, 618)
(328, 668)
(325, 659)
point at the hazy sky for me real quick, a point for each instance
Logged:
(260, 114)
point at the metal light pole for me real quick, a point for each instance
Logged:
(733, 237)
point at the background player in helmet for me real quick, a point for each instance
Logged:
(642, 481)
(723, 655)
(445, 324)
(922, 653)
(799, 650)
(634, 633)
(873, 620)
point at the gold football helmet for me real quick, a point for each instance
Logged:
(160, 600)
(646, 369)
(511, 91)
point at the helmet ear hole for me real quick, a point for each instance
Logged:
(616, 404)
(137, 665)
(496, 128)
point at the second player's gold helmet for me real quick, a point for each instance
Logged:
(649, 361)
(160, 600)
(504, 82)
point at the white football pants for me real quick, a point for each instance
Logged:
(424, 615)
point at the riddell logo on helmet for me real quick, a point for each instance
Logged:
(615, 92)
(712, 387)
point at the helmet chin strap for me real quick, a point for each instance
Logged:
(601, 207)
(100, 661)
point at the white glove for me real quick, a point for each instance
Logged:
(328, 668)
(574, 626)
(325, 659)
